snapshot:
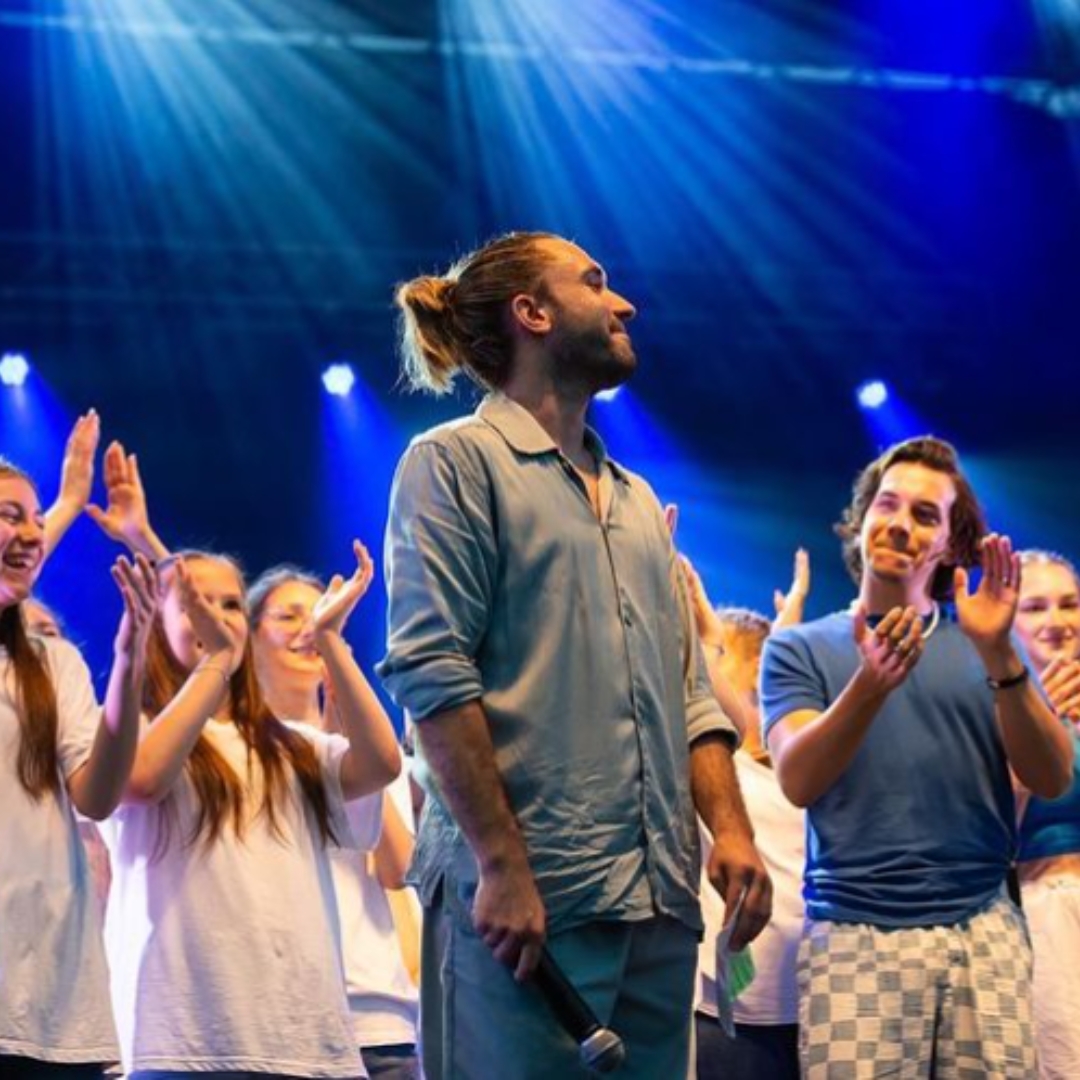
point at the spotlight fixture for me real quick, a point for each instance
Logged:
(339, 379)
(872, 394)
(14, 368)
(609, 395)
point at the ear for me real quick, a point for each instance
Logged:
(530, 314)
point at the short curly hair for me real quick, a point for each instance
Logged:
(967, 523)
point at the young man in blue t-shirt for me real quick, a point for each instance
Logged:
(896, 724)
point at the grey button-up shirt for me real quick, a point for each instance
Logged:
(574, 633)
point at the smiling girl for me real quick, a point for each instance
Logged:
(1048, 624)
(58, 753)
(220, 928)
(383, 1000)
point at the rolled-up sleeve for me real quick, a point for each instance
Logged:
(704, 714)
(441, 563)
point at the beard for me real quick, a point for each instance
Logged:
(594, 356)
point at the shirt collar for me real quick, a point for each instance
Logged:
(523, 432)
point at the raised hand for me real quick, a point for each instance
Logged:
(138, 585)
(709, 627)
(891, 649)
(125, 518)
(76, 479)
(77, 472)
(333, 608)
(1061, 681)
(986, 615)
(790, 605)
(215, 634)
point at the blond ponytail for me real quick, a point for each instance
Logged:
(429, 351)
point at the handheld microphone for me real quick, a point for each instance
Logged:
(601, 1049)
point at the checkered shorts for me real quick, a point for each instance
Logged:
(948, 1003)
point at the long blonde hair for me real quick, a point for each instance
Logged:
(220, 792)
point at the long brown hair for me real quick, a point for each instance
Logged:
(220, 793)
(459, 321)
(37, 763)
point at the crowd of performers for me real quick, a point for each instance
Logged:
(206, 873)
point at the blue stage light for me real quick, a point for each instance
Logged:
(872, 394)
(609, 395)
(14, 368)
(339, 379)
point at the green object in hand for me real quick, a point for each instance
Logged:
(741, 972)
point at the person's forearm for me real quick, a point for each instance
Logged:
(458, 751)
(164, 750)
(394, 850)
(147, 542)
(723, 691)
(96, 789)
(1037, 744)
(508, 911)
(811, 757)
(58, 519)
(374, 758)
(791, 612)
(715, 786)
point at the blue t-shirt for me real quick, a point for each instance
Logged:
(1052, 826)
(919, 830)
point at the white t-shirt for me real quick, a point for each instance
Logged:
(780, 836)
(382, 998)
(225, 955)
(54, 1000)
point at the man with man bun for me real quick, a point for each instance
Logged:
(896, 724)
(540, 638)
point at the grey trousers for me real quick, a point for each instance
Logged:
(478, 1023)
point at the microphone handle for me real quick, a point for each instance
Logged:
(570, 1008)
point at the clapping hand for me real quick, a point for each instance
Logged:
(125, 518)
(891, 649)
(77, 472)
(138, 585)
(214, 633)
(710, 628)
(333, 608)
(987, 614)
(1061, 681)
(789, 606)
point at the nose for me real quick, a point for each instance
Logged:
(31, 532)
(1055, 617)
(900, 522)
(623, 308)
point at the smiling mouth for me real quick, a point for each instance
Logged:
(23, 561)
